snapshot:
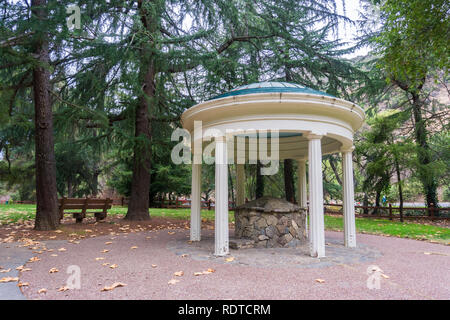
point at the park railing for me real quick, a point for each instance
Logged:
(393, 212)
(380, 212)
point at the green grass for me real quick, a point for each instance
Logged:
(14, 212)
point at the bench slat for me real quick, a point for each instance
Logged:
(69, 206)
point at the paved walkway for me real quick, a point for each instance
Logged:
(11, 257)
(146, 263)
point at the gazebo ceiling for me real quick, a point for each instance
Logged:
(293, 110)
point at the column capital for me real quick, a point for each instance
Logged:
(347, 148)
(311, 136)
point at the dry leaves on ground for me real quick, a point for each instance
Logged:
(34, 259)
(320, 280)
(113, 286)
(63, 288)
(53, 270)
(9, 279)
(178, 273)
(173, 281)
(435, 253)
(204, 272)
(113, 266)
(23, 269)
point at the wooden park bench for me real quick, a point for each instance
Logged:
(84, 205)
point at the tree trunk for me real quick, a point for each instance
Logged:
(427, 177)
(366, 203)
(377, 202)
(140, 183)
(69, 188)
(138, 208)
(289, 181)
(259, 192)
(47, 215)
(231, 186)
(334, 168)
(400, 191)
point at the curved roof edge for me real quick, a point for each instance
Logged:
(268, 87)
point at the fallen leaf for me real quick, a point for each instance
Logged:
(133, 247)
(62, 249)
(170, 232)
(23, 269)
(435, 253)
(113, 266)
(173, 281)
(63, 288)
(108, 242)
(105, 251)
(53, 270)
(320, 280)
(178, 273)
(229, 259)
(43, 290)
(9, 279)
(198, 273)
(23, 284)
(184, 255)
(113, 286)
(105, 264)
(100, 258)
(154, 265)
(34, 259)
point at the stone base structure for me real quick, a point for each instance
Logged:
(271, 222)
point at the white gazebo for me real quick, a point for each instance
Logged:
(299, 123)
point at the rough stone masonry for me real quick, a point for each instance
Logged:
(269, 222)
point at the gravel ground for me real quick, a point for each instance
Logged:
(145, 262)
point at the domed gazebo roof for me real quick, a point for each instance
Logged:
(270, 86)
(292, 109)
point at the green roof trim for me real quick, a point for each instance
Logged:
(269, 87)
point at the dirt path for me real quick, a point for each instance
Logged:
(145, 262)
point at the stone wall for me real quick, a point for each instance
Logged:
(271, 222)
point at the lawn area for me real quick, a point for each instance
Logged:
(12, 213)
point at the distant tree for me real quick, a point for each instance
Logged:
(413, 45)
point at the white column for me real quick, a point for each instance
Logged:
(348, 198)
(196, 202)
(316, 219)
(221, 193)
(240, 184)
(302, 188)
